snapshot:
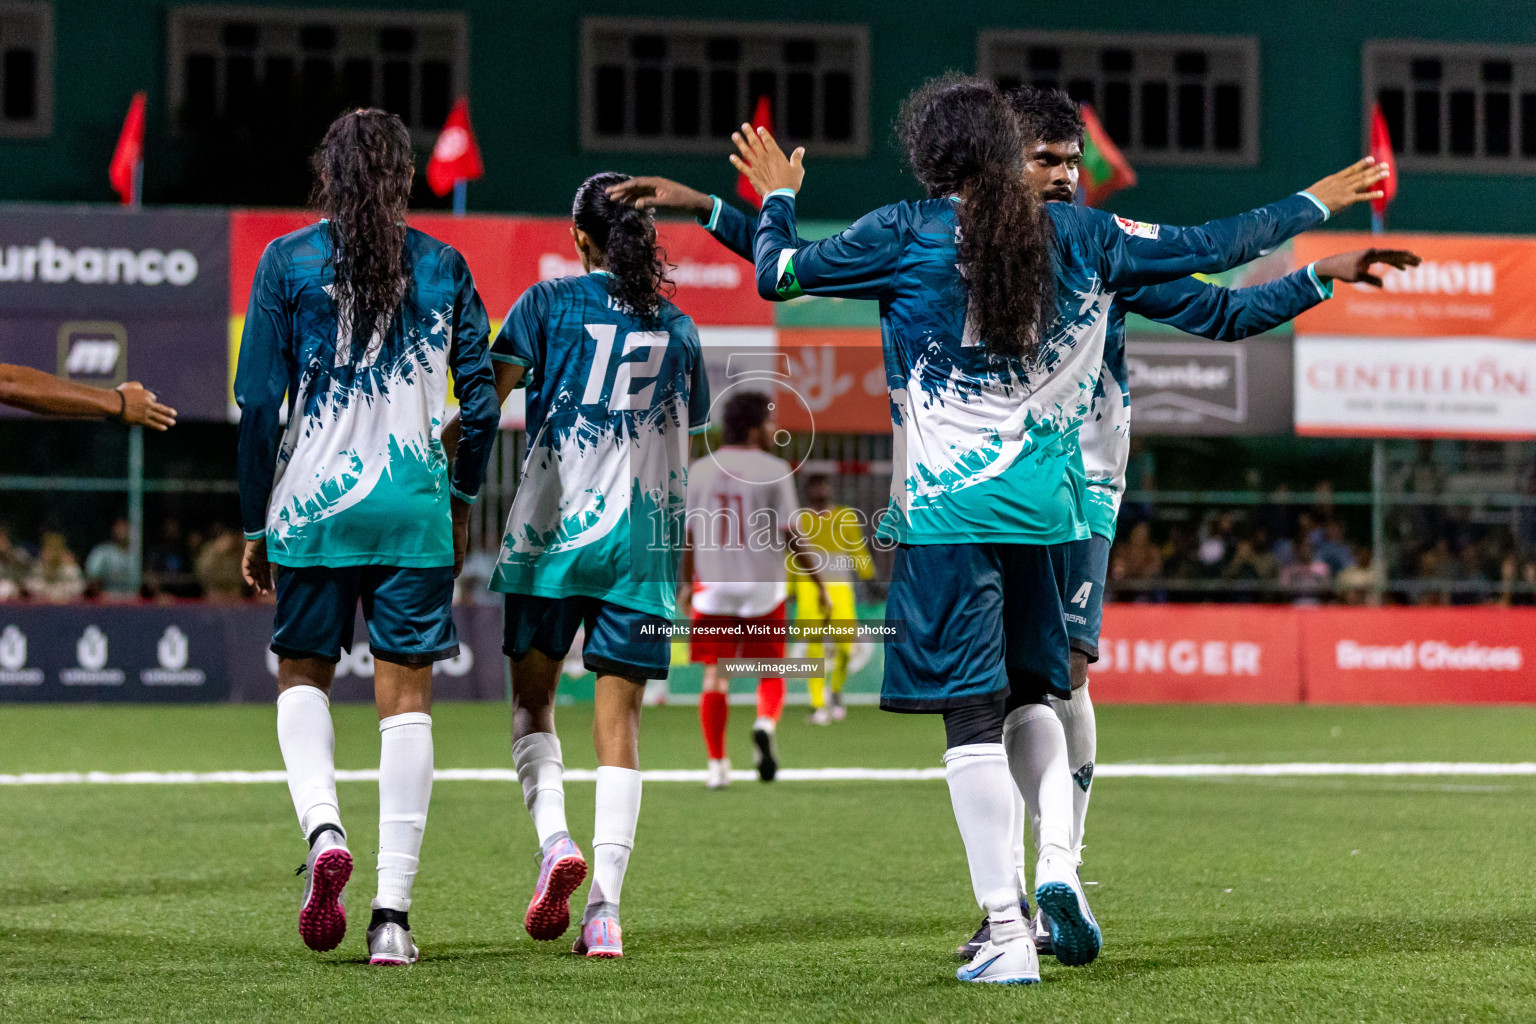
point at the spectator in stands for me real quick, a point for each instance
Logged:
(15, 564)
(1218, 542)
(1474, 582)
(1306, 576)
(1517, 581)
(1137, 561)
(55, 576)
(1278, 519)
(1525, 532)
(1357, 582)
(1436, 566)
(1334, 551)
(110, 568)
(168, 561)
(1181, 555)
(1249, 563)
(218, 566)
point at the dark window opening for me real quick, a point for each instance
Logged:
(1154, 115)
(436, 92)
(1426, 122)
(1498, 72)
(1496, 136)
(800, 51)
(19, 77)
(1528, 124)
(837, 106)
(1392, 102)
(1117, 60)
(608, 108)
(1116, 115)
(648, 48)
(397, 40)
(1191, 116)
(724, 49)
(1007, 83)
(1189, 62)
(685, 102)
(1229, 117)
(201, 89)
(317, 37)
(241, 35)
(648, 101)
(1044, 58)
(800, 105)
(1080, 90)
(1463, 111)
(1425, 70)
(397, 89)
(724, 104)
(760, 84)
(239, 86)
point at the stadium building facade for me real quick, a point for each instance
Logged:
(1224, 107)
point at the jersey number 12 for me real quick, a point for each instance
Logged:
(627, 372)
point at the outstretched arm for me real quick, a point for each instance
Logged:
(22, 387)
(858, 263)
(1134, 253)
(1227, 314)
(731, 228)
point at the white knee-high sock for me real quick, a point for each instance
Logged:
(405, 790)
(979, 789)
(613, 837)
(1020, 822)
(542, 773)
(308, 742)
(1037, 757)
(1082, 749)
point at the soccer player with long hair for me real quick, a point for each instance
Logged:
(993, 310)
(616, 384)
(359, 321)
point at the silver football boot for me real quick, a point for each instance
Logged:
(389, 941)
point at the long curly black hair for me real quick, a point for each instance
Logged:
(626, 240)
(363, 172)
(962, 138)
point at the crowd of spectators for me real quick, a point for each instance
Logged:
(1438, 550)
(200, 564)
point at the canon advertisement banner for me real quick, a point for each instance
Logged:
(104, 296)
(1210, 388)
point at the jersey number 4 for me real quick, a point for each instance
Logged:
(628, 372)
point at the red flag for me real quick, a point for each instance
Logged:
(129, 152)
(1105, 169)
(456, 157)
(761, 118)
(1381, 149)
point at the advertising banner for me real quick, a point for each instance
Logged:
(1210, 388)
(103, 296)
(1198, 654)
(1415, 387)
(1418, 655)
(196, 652)
(1467, 286)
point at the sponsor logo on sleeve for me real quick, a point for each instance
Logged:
(1138, 228)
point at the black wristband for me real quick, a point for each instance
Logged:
(122, 409)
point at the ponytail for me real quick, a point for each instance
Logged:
(636, 265)
(363, 172)
(963, 139)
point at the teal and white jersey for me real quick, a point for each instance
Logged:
(611, 402)
(358, 476)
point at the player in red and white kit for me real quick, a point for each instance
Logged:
(741, 523)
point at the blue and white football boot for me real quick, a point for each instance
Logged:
(1075, 935)
(1007, 957)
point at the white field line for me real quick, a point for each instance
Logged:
(1103, 771)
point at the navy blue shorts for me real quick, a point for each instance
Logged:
(1088, 568)
(982, 620)
(409, 612)
(615, 644)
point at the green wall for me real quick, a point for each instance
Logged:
(524, 99)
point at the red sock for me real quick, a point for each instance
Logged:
(712, 715)
(770, 698)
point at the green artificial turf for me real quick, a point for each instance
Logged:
(1313, 899)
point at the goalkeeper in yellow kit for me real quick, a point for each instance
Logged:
(833, 534)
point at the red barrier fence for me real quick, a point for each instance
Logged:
(1259, 654)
